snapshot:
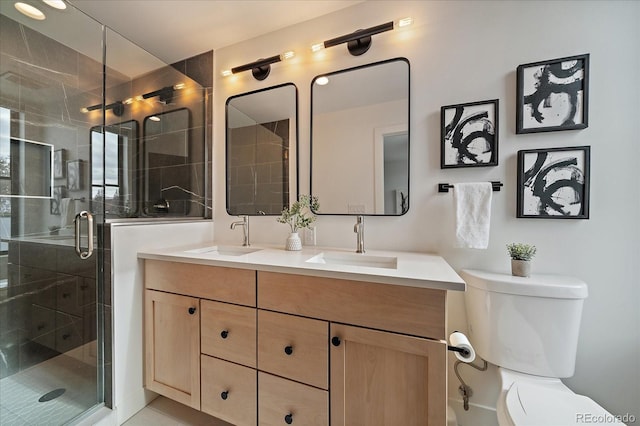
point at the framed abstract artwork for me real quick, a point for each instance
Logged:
(554, 183)
(56, 198)
(74, 175)
(58, 163)
(553, 95)
(469, 134)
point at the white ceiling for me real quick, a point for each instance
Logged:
(177, 29)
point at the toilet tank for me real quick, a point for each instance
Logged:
(530, 325)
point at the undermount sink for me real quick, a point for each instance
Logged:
(224, 250)
(355, 259)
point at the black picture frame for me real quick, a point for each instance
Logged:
(553, 95)
(469, 134)
(553, 183)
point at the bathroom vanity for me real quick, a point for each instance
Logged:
(314, 337)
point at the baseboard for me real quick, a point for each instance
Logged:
(478, 415)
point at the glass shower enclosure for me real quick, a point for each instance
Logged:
(73, 97)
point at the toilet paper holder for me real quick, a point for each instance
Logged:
(464, 351)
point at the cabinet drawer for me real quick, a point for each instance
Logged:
(282, 401)
(207, 282)
(229, 332)
(294, 347)
(229, 391)
(403, 309)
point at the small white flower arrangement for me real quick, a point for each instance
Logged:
(300, 214)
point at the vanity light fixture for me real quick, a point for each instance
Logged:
(359, 41)
(165, 94)
(260, 68)
(117, 107)
(30, 11)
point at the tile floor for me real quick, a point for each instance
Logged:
(20, 393)
(165, 412)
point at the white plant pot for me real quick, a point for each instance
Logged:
(294, 242)
(520, 268)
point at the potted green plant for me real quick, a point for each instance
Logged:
(299, 216)
(521, 255)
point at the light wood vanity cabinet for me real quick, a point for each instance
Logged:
(172, 346)
(277, 349)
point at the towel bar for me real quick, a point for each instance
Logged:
(444, 187)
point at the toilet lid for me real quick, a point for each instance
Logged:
(536, 405)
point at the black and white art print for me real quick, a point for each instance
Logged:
(469, 134)
(553, 95)
(554, 183)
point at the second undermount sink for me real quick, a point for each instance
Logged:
(355, 259)
(224, 250)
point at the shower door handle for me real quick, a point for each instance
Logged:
(84, 254)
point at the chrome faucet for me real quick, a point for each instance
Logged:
(358, 228)
(245, 227)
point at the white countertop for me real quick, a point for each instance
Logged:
(411, 269)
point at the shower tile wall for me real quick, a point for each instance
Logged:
(258, 174)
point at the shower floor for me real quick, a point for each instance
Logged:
(20, 393)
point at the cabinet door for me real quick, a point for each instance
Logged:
(172, 346)
(381, 378)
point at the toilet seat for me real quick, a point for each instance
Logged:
(538, 405)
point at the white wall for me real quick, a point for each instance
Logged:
(129, 395)
(468, 51)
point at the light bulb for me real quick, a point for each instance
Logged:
(317, 47)
(405, 22)
(30, 11)
(287, 55)
(56, 4)
(226, 73)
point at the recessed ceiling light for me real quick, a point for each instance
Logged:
(154, 118)
(30, 11)
(56, 4)
(321, 81)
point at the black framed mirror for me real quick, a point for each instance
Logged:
(121, 171)
(170, 180)
(262, 150)
(360, 139)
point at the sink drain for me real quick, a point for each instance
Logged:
(52, 395)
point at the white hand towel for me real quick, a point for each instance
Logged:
(473, 214)
(67, 212)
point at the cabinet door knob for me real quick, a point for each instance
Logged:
(192, 310)
(288, 350)
(288, 419)
(224, 395)
(335, 341)
(224, 334)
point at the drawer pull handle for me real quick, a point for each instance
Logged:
(224, 395)
(335, 341)
(66, 295)
(288, 350)
(66, 336)
(41, 326)
(224, 334)
(192, 310)
(288, 419)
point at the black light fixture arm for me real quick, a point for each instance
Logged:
(359, 34)
(257, 64)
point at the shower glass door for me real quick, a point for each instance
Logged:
(51, 287)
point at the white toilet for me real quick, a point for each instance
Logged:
(528, 328)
